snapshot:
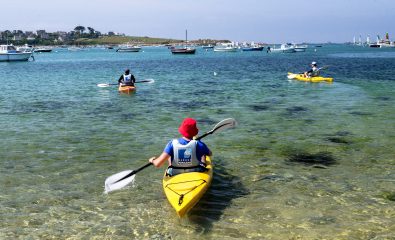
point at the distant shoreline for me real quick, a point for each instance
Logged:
(100, 40)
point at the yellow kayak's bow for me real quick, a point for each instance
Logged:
(186, 189)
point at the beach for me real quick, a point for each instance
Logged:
(306, 160)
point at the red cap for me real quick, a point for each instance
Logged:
(188, 128)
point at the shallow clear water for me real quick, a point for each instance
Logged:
(307, 161)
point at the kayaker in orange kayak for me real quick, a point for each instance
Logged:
(127, 79)
(313, 72)
(184, 154)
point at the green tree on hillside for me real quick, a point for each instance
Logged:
(79, 29)
(91, 31)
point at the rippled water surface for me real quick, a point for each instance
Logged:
(306, 161)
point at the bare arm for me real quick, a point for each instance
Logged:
(158, 162)
(133, 79)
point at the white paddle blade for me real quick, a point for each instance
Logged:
(149, 80)
(112, 184)
(103, 85)
(225, 124)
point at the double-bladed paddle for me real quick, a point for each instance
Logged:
(116, 84)
(124, 178)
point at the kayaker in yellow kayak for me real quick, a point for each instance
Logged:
(184, 154)
(313, 72)
(126, 79)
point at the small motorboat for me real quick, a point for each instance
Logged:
(300, 48)
(284, 48)
(10, 53)
(128, 48)
(41, 50)
(186, 50)
(208, 46)
(225, 47)
(255, 48)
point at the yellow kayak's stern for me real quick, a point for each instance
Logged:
(186, 189)
(301, 77)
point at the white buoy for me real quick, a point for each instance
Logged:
(215, 73)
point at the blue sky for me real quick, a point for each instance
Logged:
(247, 20)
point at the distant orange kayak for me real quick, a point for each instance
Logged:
(126, 89)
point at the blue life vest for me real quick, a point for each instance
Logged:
(185, 158)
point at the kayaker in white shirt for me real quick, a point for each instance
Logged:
(313, 72)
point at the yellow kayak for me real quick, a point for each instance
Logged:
(301, 77)
(186, 189)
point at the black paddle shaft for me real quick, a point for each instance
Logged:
(149, 164)
(212, 131)
(134, 172)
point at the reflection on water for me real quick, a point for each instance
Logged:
(224, 189)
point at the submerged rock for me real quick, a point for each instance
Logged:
(295, 112)
(258, 108)
(337, 140)
(316, 159)
(358, 113)
(339, 137)
(296, 109)
(383, 98)
(389, 196)
(342, 133)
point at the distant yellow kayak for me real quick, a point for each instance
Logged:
(184, 190)
(301, 77)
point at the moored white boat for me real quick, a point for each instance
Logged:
(392, 45)
(284, 48)
(74, 49)
(225, 47)
(10, 53)
(383, 43)
(128, 48)
(300, 48)
(25, 48)
(43, 49)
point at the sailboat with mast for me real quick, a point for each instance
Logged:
(185, 49)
